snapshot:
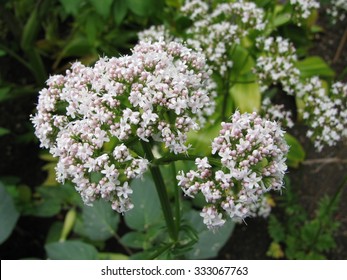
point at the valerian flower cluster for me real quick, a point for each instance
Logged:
(276, 64)
(252, 154)
(161, 92)
(325, 112)
(214, 32)
(303, 9)
(337, 10)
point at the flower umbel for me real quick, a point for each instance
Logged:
(89, 117)
(252, 153)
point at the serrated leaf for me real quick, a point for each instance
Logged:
(246, 96)
(215, 240)
(8, 214)
(314, 66)
(71, 250)
(147, 210)
(296, 153)
(100, 222)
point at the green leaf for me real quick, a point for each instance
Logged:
(4, 131)
(71, 250)
(247, 97)
(242, 62)
(8, 214)
(112, 256)
(78, 46)
(215, 240)
(54, 232)
(314, 66)
(262, 3)
(51, 173)
(296, 153)
(30, 30)
(203, 139)
(93, 26)
(120, 10)
(102, 7)
(49, 200)
(69, 222)
(144, 8)
(71, 6)
(4, 93)
(173, 3)
(100, 222)
(276, 230)
(275, 251)
(2, 52)
(147, 210)
(281, 19)
(134, 240)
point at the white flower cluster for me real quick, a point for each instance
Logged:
(214, 31)
(276, 112)
(325, 114)
(161, 91)
(252, 153)
(276, 64)
(338, 10)
(303, 8)
(156, 33)
(261, 208)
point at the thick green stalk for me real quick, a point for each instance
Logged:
(177, 196)
(162, 192)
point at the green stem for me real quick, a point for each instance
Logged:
(226, 89)
(177, 196)
(226, 86)
(161, 251)
(162, 192)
